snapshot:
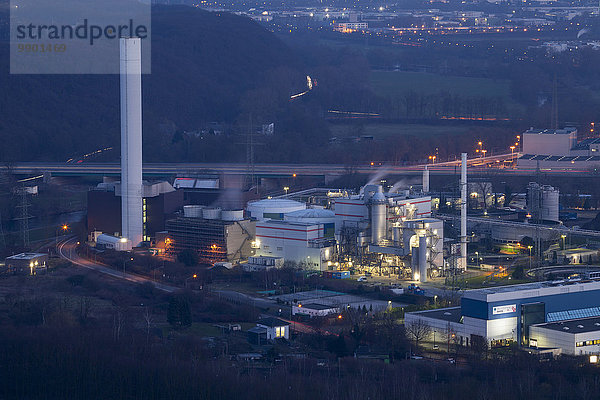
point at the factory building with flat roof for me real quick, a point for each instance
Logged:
(506, 313)
(549, 149)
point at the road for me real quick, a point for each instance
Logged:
(557, 229)
(476, 166)
(66, 250)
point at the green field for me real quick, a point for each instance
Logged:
(388, 83)
(383, 130)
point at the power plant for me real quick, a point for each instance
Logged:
(390, 233)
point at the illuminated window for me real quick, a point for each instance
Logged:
(279, 331)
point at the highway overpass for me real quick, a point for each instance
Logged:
(477, 166)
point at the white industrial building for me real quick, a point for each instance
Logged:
(105, 241)
(306, 243)
(549, 141)
(573, 337)
(558, 149)
(520, 313)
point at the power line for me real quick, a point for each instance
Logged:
(24, 218)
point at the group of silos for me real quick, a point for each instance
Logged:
(198, 211)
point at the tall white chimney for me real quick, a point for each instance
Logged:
(463, 212)
(131, 140)
(426, 180)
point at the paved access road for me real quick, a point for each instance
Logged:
(66, 250)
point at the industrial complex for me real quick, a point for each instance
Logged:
(561, 316)
(403, 232)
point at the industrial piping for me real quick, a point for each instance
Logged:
(423, 258)
(131, 139)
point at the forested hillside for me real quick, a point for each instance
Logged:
(203, 64)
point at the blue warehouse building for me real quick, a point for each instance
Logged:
(506, 313)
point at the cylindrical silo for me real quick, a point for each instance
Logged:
(378, 216)
(232, 215)
(550, 204)
(192, 211)
(211, 213)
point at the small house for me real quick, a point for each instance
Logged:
(275, 328)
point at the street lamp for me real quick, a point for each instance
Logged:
(64, 228)
(195, 276)
(530, 247)
(286, 188)
(124, 260)
(563, 237)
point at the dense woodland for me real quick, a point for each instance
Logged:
(221, 68)
(77, 336)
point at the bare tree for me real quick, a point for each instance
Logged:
(148, 320)
(119, 317)
(86, 304)
(418, 331)
(449, 335)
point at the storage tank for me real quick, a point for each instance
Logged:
(542, 202)
(192, 211)
(549, 210)
(232, 215)
(273, 208)
(311, 215)
(211, 213)
(378, 216)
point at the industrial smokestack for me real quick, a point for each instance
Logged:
(426, 180)
(131, 139)
(463, 212)
(423, 258)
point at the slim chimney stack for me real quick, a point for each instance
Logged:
(131, 139)
(463, 212)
